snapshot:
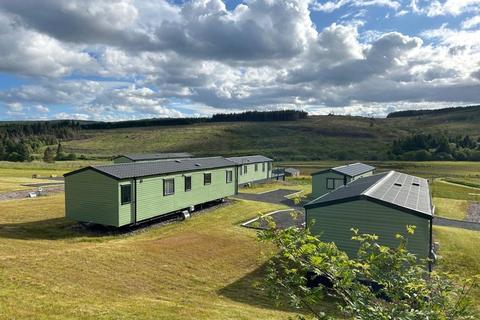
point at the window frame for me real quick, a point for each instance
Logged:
(165, 181)
(330, 180)
(256, 167)
(263, 166)
(185, 183)
(122, 186)
(205, 174)
(231, 176)
(245, 169)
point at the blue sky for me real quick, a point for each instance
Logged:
(130, 59)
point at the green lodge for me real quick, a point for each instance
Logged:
(128, 193)
(382, 204)
(328, 180)
(253, 169)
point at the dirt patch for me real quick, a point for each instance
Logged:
(473, 212)
(24, 193)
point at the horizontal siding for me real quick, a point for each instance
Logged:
(319, 183)
(91, 197)
(333, 224)
(252, 175)
(366, 174)
(151, 202)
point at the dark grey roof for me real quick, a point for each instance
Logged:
(152, 168)
(351, 170)
(392, 187)
(249, 159)
(155, 156)
(354, 169)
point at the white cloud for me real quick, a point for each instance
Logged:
(471, 22)
(446, 7)
(41, 109)
(330, 6)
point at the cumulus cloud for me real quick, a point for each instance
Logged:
(28, 52)
(330, 6)
(471, 22)
(200, 57)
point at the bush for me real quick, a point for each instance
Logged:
(381, 283)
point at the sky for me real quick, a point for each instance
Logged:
(130, 59)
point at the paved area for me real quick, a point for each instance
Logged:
(275, 196)
(438, 221)
(283, 219)
(24, 193)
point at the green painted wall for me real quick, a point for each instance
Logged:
(122, 160)
(333, 224)
(252, 175)
(92, 197)
(151, 202)
(319, 182)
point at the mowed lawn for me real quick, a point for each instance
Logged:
(451, 208)
(203, 268)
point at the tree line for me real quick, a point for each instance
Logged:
(440, 146)
(18, 141)
(415, 113)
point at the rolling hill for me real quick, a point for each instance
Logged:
(313, 138)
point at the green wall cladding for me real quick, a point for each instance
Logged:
(319, 182)
(333, 224)
(91, 197)
(151, 202)
(252, 175)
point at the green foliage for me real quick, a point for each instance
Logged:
(441, 146)
(48, 155)
(379, 283)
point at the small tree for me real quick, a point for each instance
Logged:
(379, 284)
(60, 155)
(48, 155)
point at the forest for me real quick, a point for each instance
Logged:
(439, 146)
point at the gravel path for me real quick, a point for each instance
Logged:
(438, 221)
(473, 212)
(22, 194)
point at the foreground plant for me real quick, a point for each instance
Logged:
(379, 283)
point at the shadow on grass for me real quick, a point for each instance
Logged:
(248, 290)
(61, 228)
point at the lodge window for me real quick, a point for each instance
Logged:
(125, 194)
(168, 187)
(207, 178)
(229, 176)
(188, 183)
(256, 167)
(263, 166)
(330, 183)
(245, 169)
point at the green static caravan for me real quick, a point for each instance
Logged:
(253, 169)
(137, 157)
(328, 180)
(125, 194)
(381, 204)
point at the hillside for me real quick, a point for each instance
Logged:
(314, 138)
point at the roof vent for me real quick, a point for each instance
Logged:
(197, 164)
(178, 161)
(397, 184)
(416, 184)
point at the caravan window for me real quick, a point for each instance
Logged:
(168, 187)
(126, 194)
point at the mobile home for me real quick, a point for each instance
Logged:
(382, 204)
(125, 194)
(252, 169)
(328, 180)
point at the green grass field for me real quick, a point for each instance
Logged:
(203, 268)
